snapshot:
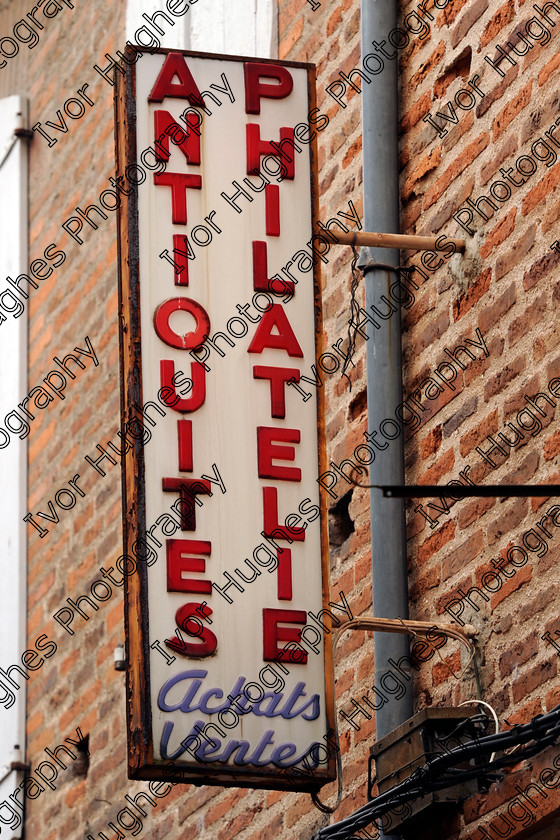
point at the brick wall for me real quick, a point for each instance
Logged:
(76, 687)
(504, 286)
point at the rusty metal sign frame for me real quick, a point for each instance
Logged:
(141, 763)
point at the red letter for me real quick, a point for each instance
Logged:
(175, 65)
(184, 435)
(277, 376)
(179, 560)
(261, 283)
(208, 642)
(272, 634)
(173, 339)
(257, 147)
(266, 451)
(179, 242)
(271, 528)
(272, 204)
(255, 90)
(284, 571)
(285, 340)
(170, 396)
(179, 184)
(187, 488)
(165, 127)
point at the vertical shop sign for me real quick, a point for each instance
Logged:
(222, 521)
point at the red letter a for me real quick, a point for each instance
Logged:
(282, 339)
(175, 65)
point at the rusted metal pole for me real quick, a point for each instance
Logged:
(399, 625)
(398, 241)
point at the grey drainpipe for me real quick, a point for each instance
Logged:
(384, 364)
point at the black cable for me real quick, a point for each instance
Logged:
(410, 789)
(428, 777)
(354, 312)
(354, 305)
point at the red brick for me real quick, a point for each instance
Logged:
(420, 108)
(513, 257)
(519, 654)
(427, 66)
(521, 577)
(541, 190)
(426, 165)
(499, 234)
(431, 442)
(534, 678)
(436, 542)
(473, 12)
(532, 316)
(442, 466)
(501, 18)
(474, 293)
(293, 36)
(460, 163)
(507, 520)
(506, 375)
(472, 511)
(475, 436)
(449, 669)
(552, 446)
(511, 110)
(549, 68)
(334, 21)
(457, 559)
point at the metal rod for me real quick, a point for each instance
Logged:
(419, 491)
(400, 625)
(393, 240)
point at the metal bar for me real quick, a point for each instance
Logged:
(456, 491)
(399, 625)
(392, 240)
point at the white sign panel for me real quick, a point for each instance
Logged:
(229, 678)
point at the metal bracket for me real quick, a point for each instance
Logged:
(463, 491)
(396, 241)
(20, 765)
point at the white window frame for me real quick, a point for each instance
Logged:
(13, 458)
(217, 26)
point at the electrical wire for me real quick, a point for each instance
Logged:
(330, 809)
(492, 712)
(354, 313)
(409, 626)
(357, 275)
(544, 730)
(414, 628)
(373, 624)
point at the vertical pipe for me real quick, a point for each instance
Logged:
(384, 374)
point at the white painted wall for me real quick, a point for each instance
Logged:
(176, 36)
(241, 27)
(233, 27)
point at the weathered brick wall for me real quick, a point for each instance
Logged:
(505, 287)
(77, 686)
